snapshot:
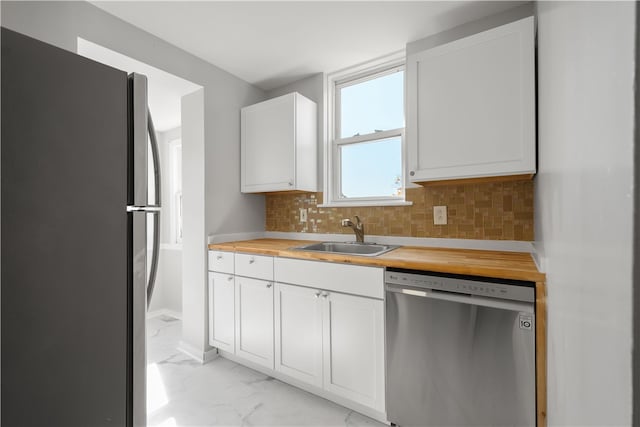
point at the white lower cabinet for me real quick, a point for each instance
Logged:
(222, 311)
(353, 347)
(332, 340)
(298, 321)
(254, 320)
(318, 325)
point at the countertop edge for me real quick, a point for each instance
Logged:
(387, 260)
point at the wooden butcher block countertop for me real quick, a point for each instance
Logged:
(501, 265)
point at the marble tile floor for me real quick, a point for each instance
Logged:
(182, 392)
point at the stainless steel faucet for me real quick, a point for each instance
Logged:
(358, 227)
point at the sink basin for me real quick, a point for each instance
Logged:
(351, 248)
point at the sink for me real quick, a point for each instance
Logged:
(351, 248)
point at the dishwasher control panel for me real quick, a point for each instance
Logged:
(461, 285)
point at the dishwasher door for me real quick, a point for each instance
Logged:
(458, 360)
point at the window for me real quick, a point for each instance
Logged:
(175, 189)
(365, 145)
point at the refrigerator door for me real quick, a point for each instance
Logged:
(65, 295)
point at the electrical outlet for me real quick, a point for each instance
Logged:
(440, 215)
(303, 215)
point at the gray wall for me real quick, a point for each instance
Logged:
(313, 88)
(225, 210)
(584, 206)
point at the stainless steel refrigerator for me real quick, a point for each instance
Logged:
(77, 265)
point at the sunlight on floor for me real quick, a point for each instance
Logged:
(156, 392)
(169, 422)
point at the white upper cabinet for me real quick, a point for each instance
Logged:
(471, 106)
(279, 145)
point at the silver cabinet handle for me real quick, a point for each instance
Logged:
(230, 278)
(290, 183)
(252, 260)
(325, 294)
(219, 257)
(270, 284)
(412, 173)
(317, 294)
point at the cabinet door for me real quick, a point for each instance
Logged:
(254, 320)
(221, 311)
(298, 324)
(471, 106)
(353, 342)
(268, 145)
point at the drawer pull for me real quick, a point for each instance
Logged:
(230, 278)
(252, 260)
(270, 284)
(317, 294)
(219, 257)
(325, 295)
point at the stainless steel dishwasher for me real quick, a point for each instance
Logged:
(460, 351)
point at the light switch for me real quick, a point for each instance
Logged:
(303, 215)
(440, 215)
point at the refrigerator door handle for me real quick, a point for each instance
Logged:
(156, 223)
(155, 152)
(154, 257)
(139, 146)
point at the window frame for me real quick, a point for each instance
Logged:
(332, 161)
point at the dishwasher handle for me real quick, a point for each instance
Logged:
(462, 298)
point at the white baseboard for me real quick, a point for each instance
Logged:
(198, 354)
(164, 311)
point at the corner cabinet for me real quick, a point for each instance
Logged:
(471, 106)
(279, 145)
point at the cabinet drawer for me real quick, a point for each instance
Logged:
(351, 279)
(258, 266)
(221, 261)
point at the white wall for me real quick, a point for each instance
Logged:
(194, 242)
(167, 293)
(225, 210)
(584, 206)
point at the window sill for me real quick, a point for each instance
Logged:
(365, 203)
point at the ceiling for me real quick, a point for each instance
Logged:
(164, 90)
(270, 44)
